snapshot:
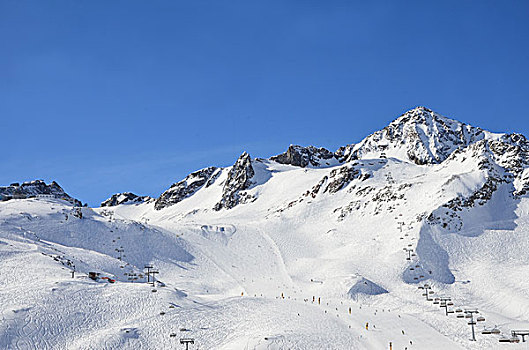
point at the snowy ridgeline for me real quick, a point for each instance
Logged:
(304, 250)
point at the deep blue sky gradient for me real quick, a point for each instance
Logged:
(129, 95)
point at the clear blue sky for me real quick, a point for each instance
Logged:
(111, 96)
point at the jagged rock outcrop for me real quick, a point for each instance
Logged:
(34, 189)
(187, 187)
(125, 198)
(341, 177)
(419, 135)
(304, 156)
(239, 179)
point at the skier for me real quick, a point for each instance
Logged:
(367, 326)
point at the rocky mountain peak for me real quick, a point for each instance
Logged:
(125, 198)
(305, 156)
(35, 188)
(239, 179)
(420, 136)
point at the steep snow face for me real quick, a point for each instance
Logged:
(306, 156)
(420, 136)
(187, 187)
(35, 188)
(125, 198)
(365, 287)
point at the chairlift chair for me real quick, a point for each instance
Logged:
(480, 319)
(460, 316)
(495, 331)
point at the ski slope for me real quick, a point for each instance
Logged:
(330, 255)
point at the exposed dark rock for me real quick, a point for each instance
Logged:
(341, 177)
(304, 156)
(239, 179)
(316, 188)
(185, 188)
(125, 198)
(34, 189)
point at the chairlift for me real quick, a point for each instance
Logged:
(450, 303)
(431, 292)
(421, 276)
(415, 278)
(486, 331)
(459, 310)
(495, 331)
(480, 319)
(460, 316)
(436, 302)
(468, 316)
(410, 245)
(417, 266)
(413, 254)
(411, 269)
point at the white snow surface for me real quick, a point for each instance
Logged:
(274, 273)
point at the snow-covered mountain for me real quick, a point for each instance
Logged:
(297, 251)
